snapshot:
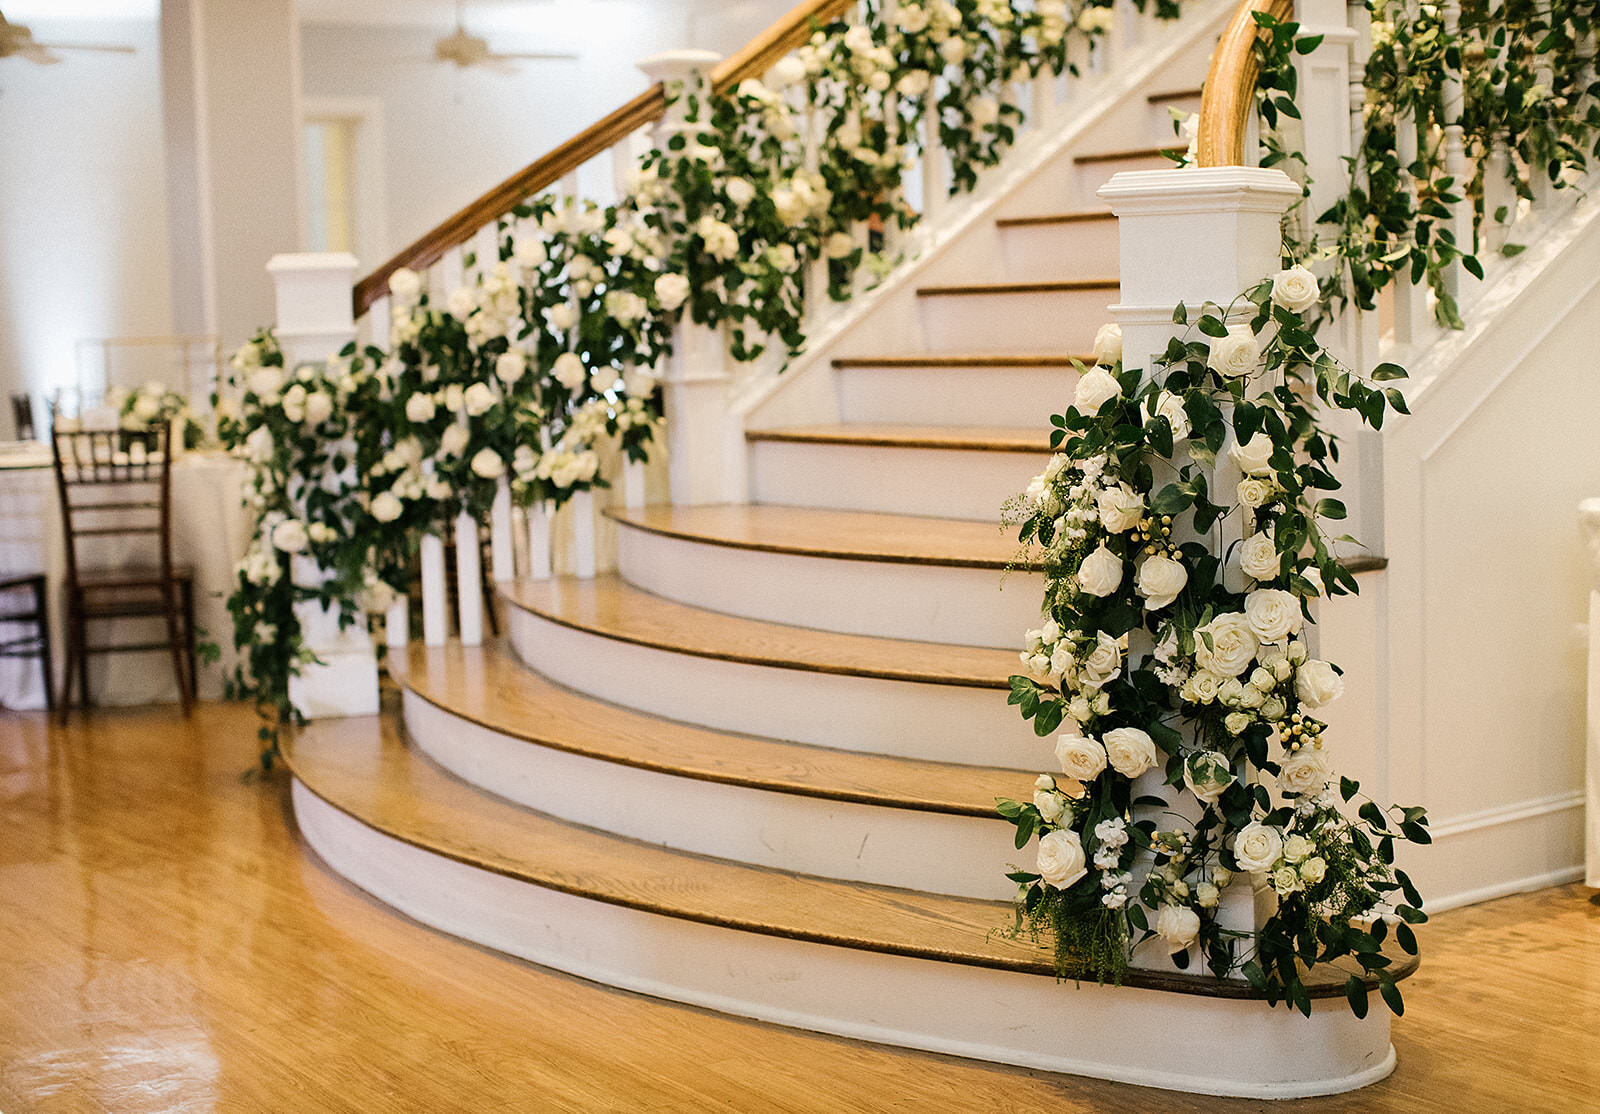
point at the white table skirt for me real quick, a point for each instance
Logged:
(209, 535)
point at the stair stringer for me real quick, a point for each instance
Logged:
(963, 240)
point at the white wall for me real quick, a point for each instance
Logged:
(83, 218)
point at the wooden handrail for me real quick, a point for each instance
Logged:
(1229, 95)
(753, 60)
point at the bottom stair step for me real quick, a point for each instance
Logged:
(873, 962)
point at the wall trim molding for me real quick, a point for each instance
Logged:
(1508, 814)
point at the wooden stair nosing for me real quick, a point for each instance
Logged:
(1126, 155)
(622, 736)
(975, 360)
(898, 539)
(869, 435)
(1090, 216)
(408, 799)
(596, 607)
(1059, 286)
(1174, 95)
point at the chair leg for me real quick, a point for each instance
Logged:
(41, 600)
(175, 644)
(83, 661)
(71, 662)
(189, 640)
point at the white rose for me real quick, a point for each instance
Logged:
(265, 382)
(1177, 925)
(1314, 870)
(1130, 751)
(1258, 556)
(1160, 580)
(1286, 880)
(984, 110)
(563, 316)
(1103, 662)
(1237, 722)
(839, 245)
(1236, 355)
(147, 408)
(510, 367)
(1207, 895)
(1207, 775)
(290, 535)
(1316, 683)
(671, 291)
(569, 370)
(1201, 687)
(603, 379)
(529, 251)
(1120, 508)
(460, 302)
(1080, 758)
(1274, 615)
(1096, 387)
(1296, 848)
(319, 407)
(740, 191)
(1061, 858)
(1108, 345)
(1254, 456)
(478, 399)
(385, 507)
(1049, 804)
(420, 408)
(454, 440)
(1233, 645)
(405, 285)
(259, 445)
(487, 464)
(953, 51)
(1255, 492)
(294, 403)
(1100, 573)
(915, 83)
(788, 71)
(1295, 289)
(1257, 846)
(1170, 407)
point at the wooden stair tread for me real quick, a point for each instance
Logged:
(1157, 152)
(975, 360)
(972, 438)
(1174, 95)
(1058, 286)
(362, 768)
(1086, 216)
(487, 686)
(850, 535)
(607, 606)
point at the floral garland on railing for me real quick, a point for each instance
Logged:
(548, 358)
(1178, 663)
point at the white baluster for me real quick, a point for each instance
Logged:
(537, 516)
(1455, 154)
(934, 168)
(501, 548)
(435, 621)
(1544, 76)
(583, 540)
(624, 161)
(1410, 299)
(633, 484)
(1042, 100)
(379, 321)
(469, 580)
(397, 624)
(451, 271)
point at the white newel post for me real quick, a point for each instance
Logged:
(705, 437)
(314, 320)
(1589, 519)
(1191, 236)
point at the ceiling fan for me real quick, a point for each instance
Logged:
(472, 50)
(17, 41)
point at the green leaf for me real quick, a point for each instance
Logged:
(1180, 315)
(1391, 995)
(1212, 326)
(1356, 990)
(1384, 372)
(1330, 508)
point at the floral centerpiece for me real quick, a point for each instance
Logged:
(139, 407)
(1181, 529)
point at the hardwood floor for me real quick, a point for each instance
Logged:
(166, 944)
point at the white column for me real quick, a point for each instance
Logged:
(1589, 519)
(314, 320)
(706, 453)
(1192, 236)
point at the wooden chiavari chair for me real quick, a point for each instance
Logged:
(35, 613)
(117, 484)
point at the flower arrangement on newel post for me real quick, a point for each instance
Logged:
(1173, 664)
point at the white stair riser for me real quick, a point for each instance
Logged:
(1231, 1047)
(1057, 322)
(927, 603)
(940, 483)
(948, 723)
(955, 396)
(1091, 176)
(808, 835)
(1039, 252)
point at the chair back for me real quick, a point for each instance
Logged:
(22, 415)
(115, 487)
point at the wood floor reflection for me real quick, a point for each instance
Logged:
(167, 944)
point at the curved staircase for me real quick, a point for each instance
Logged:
(755, 768)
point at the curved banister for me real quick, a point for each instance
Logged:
(1229, 95)
(753, 60)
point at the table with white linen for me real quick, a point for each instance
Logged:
(209, 535)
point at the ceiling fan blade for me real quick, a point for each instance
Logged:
(551, 56)
(104, 48)
(36, 52)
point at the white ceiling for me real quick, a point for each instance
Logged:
(485, 15)
(23, 11)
